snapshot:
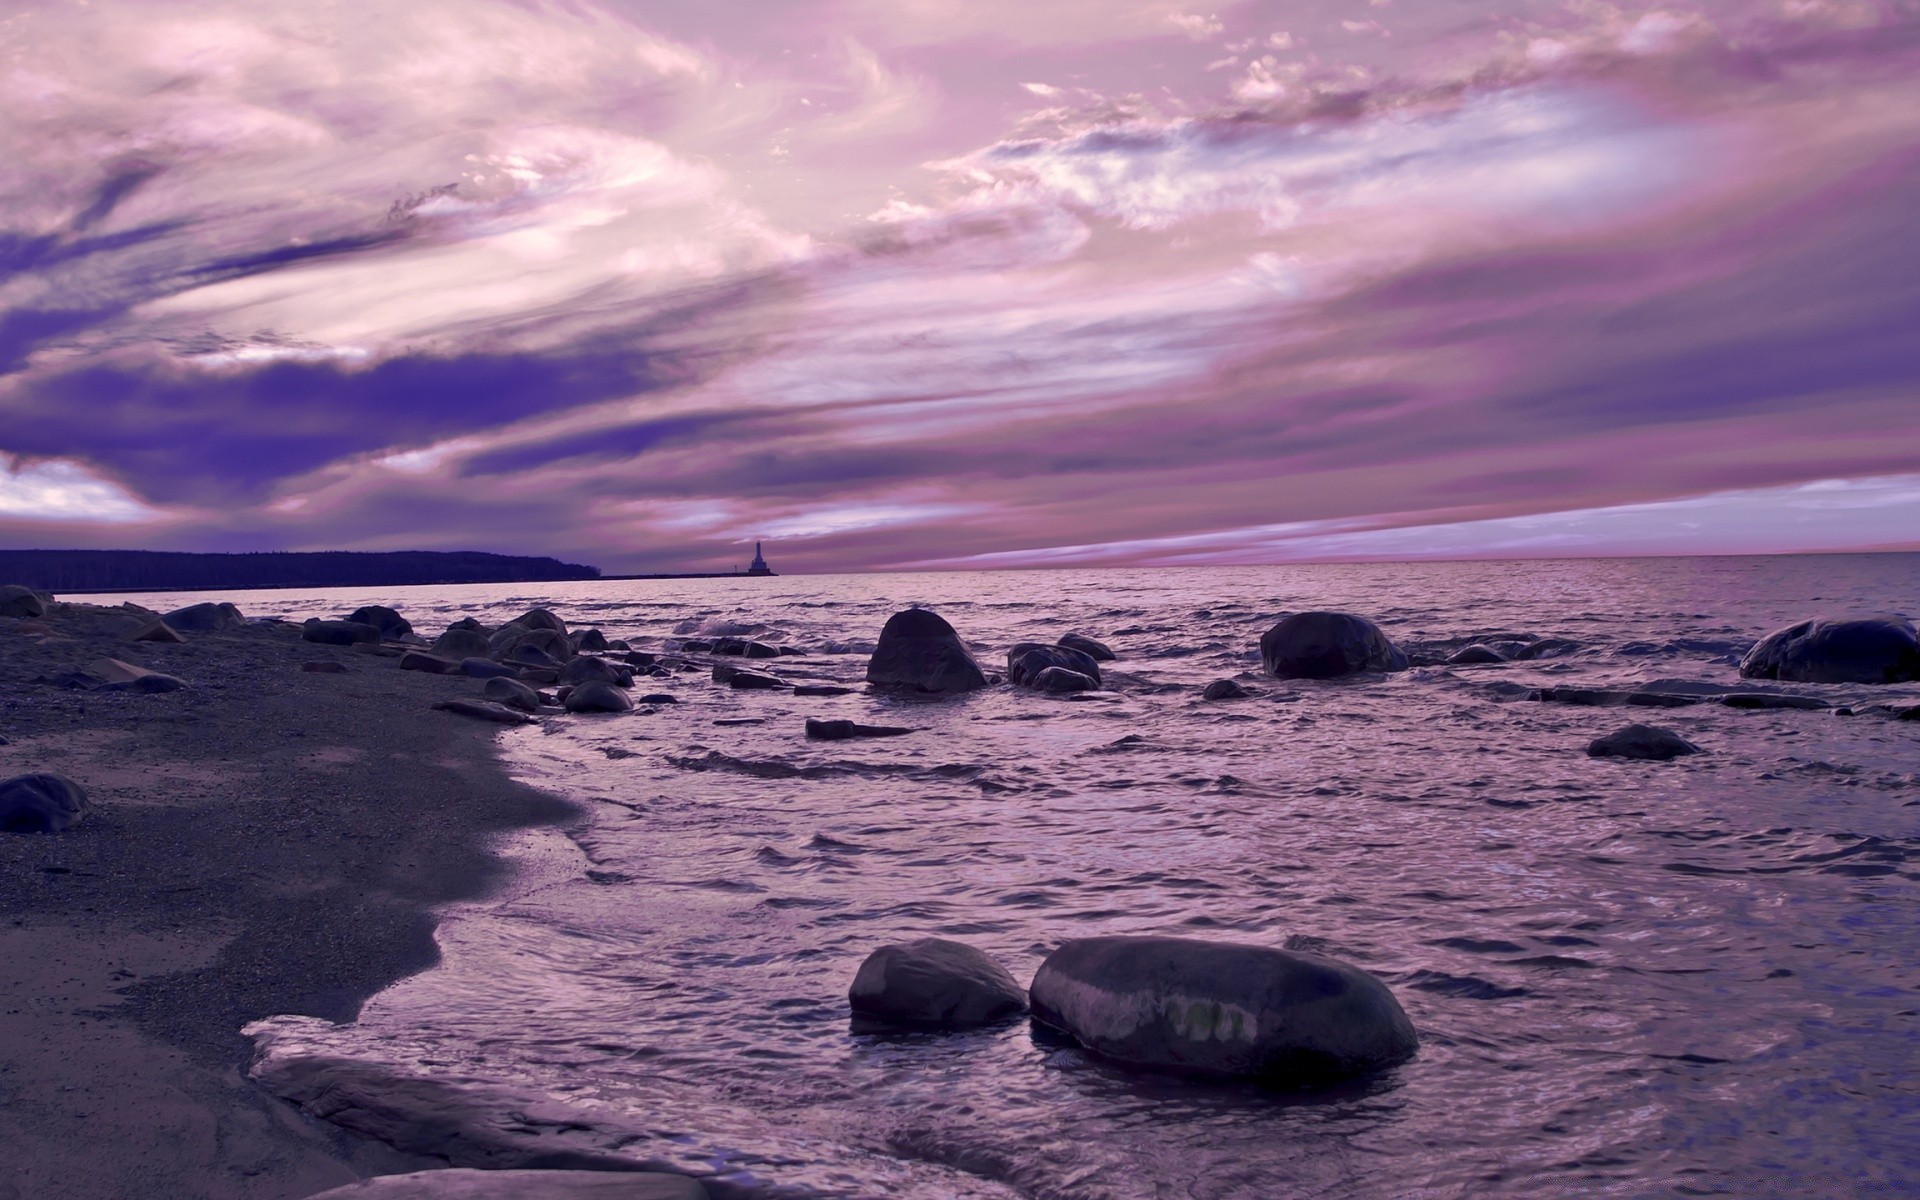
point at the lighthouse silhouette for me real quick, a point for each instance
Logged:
(759, 565)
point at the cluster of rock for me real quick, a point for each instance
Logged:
(1182, 1004)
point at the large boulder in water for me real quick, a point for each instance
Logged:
(1221, 1008)
(1874, 650)
(19, 601)
(1027, 660)
(920, 651)
(1098, 651)
(1646, 742)
(596, 697)
(337, 633)
(1328, 645)
(467, 1183)
(540, 618)
(42, 803)
(209, 617)
(935, 983)
(391, 624)
(512, 637)
(586, 669)
(1058, 681)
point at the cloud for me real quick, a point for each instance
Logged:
(55, 490)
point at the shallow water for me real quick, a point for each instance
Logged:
(1630, 979)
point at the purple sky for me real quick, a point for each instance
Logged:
(914, 283)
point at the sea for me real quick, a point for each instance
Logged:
(1630, 979)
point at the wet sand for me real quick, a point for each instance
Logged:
(264, 841)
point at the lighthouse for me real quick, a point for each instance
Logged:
(759, 565)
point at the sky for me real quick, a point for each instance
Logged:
(939, 284)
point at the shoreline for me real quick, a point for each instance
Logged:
(263, 842)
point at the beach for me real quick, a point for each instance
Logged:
(264, 841)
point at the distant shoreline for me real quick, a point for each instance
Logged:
(339, 587)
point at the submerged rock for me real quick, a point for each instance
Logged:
(821, 689)
(1545, 648)
(1059, 681)
(392, 625)
(919, 651)
(17, 600)
(594, 696)
(466, 1183)
(42, 803)
(752, 680)
(156, 630)
(1475, 655)
(512, 693)
(1098, 651)
(208, 617)
(1874, 650)
(1027, 661)
(840, 731)
(744, 648)
(934, 982)
(1222, 1008)
(1327, 645)
(1225, 689)
(337, 633)
(1648, 742)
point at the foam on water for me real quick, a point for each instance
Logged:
(1629, 978)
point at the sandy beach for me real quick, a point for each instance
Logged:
(265, 840)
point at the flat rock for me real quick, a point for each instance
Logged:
(936, 983)
(821, 689)
(918, 651)
(1871, 650)
(840, 731)
(432, 664)
(156, 630)
(466, 1183)
(499, 714)
(1027, 661)
(18, 600)
(1097, 651)
(754, 680)
(117, 676)
(512, 693)
(1225, 689)
(1327, 645)
(1647, 742)
(594, 696)
(659, 698)
(41, 803)
(1222, 1008)
(336, 633)
(207, 617)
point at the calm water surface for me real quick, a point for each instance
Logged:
(1630, 979)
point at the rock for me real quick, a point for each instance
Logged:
(486, 668)
(529, 655)
(821, 689)
(457, 642)
(1026, 661)
(588, 639)
(1475, 655)
(466, 1183)
(392, 625)
(1225, 689)
(538, 676)
(209, 617)
(1601, 697)
(840, 731)
(509, 639)
(791, 652)
(540, 618)
(935, 983)
(43, 803)
(1097, 651)
(432, 664)
(659, 698)
(742, 648)
(512, 693)
(1648, 742)
(117, 676)
(1058, 681)
(921, 652)
(1327, 645)
(639, 658)
(336, 633)
(19, 601)
(594, 696)
(1874, 650)
(1221, 1008)
(472, 623)
(324, 667)
(499, 714)
(754, 680)
(156, 630)
(1772, 700)
(1545, 648)
(585, 669)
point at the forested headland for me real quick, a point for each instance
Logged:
(159, 570)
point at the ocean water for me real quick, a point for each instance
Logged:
(1630, 979)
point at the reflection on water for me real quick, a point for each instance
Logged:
(1630, 979)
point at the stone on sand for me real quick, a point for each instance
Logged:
(467, 1183)
(937, 983)
(392, 625)
(1873, 650)
(208, 617)
(1647, 742)
(156, 630)
(20, 601)
(41, 803)
(499, 714)
(594, 696)
(1328, 645)
(512, 693)
(431, 664)
(1222, 1008)
(337, 633)
(458, 642)
(920, 652)
(117, 676)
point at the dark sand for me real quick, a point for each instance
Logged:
(265, 841)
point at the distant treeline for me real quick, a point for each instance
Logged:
(154, 570)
